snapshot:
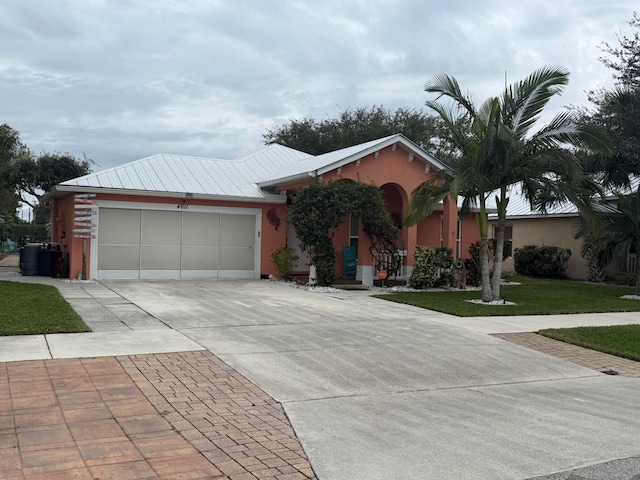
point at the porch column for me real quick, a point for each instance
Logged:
(411, 240)
(365, 260)
(450, 223)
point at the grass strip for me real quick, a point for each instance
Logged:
(533, 297)
(32, 309)
(619, 340)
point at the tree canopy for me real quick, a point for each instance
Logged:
(11, 150)
(359, 125)
(34, 176)
(618, 111)
(624, 59)
(25, 177)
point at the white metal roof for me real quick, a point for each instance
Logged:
(243, 178)
(519, 206)
(196, 176)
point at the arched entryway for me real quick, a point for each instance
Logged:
(396, 199)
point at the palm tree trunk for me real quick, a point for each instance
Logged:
(487, 294)
(497, 264)
(483, 227)
(501, 204)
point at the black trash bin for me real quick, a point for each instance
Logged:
(29, 258)
(47, 262)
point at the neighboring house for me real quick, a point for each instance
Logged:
(171, 216)
(557, 227)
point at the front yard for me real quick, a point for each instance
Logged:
(532, 297)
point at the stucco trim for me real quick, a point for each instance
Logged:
(60, 190)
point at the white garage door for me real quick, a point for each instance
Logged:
(141, 243)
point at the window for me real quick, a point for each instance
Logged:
(354, 227)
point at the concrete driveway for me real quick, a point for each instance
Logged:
(382, 390)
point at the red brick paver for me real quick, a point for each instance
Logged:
(173, 416)
(602, 362)
(236, 425)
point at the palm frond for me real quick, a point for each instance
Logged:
(448, 86)
(528, 97)
(425, 199)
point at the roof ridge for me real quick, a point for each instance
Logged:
(271, 147)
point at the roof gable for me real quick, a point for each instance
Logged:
(321, 164)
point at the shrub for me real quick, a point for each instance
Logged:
(446, 279)
(542, 261)
(284, 259)
(444, 264)
(17, 231)
(472, 265)
(443, 258)
(424, 270)
(324, 259)
(472, 272)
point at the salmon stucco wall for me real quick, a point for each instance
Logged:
(429, 230)
(470, 234)
(397, 173)
(553, 231)
(272, 236)
(62, 232)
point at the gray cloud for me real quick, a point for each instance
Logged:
(123, 80)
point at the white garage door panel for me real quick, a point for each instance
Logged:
(161, 228)
(234, 258)
(119, 226)
(119, 242)
(237, 230)
(200, 258)
(200, 234)
(237, 241)
(149, 243)
(200, 229)
(160, 257)
(119, 257)
(161, 237)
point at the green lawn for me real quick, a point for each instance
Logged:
(620, 340)
(30, 309)
(533, 297)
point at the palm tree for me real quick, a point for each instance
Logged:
(499, 152)
(620, 234)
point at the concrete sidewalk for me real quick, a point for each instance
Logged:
(118, 327)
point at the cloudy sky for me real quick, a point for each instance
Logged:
(123, 79)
